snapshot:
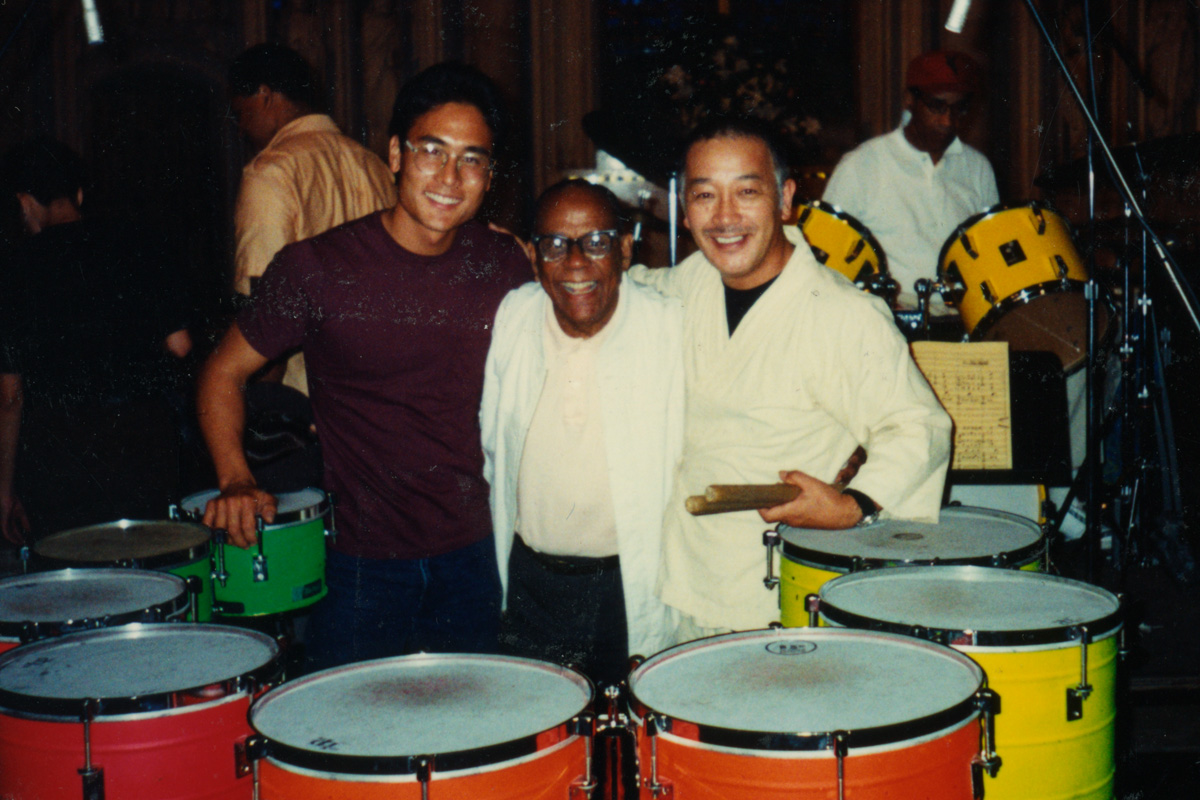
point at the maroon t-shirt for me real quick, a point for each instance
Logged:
(394, 345)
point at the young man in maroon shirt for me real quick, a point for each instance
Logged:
(393, 313)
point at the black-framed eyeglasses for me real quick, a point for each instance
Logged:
(553, 246)
(431, 157)
(937, 106)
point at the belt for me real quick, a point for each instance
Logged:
(569, 565)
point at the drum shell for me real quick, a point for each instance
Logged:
(846, 244)
(295, 557)
(933, 768)
(545, 775)
(1045, 755)
(182, 754)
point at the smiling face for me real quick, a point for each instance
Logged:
(583, 290)
(734, 210)
(433, 206)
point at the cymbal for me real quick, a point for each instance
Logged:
(1159, 158)
(647, 143)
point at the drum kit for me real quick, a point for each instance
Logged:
(1012, 272)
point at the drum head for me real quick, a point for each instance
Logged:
(291, 506)
(807, 683)
(416, 705)
(84, 594)
(134, 664)
(961, 535)
(123, 540)
(997, 606)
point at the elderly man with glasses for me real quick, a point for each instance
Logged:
(912, 187)
(393, 313)
(582, 423)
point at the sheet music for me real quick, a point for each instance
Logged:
(971, 381)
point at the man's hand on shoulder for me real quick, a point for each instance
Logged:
(819, 505)
(236, 511)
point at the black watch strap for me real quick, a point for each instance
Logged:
(869, 508)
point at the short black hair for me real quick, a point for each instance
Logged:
(450, 82)
(277, 67)
(601, 194)
(720, 126)
(42, 167)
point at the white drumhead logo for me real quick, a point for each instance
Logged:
(791, 648)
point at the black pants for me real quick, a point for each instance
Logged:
(567, 610)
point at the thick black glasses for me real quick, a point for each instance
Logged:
(552, 246)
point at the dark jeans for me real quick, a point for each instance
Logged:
(568, 615)
(389, 607)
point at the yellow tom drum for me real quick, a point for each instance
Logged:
(962, 535)
(1048, 645)
(842, 243)
(1016, 277)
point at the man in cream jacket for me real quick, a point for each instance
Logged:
(582, 420)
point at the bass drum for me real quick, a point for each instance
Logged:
(1016, 277)
(488, 727)
(769, 715)
(1048, 645)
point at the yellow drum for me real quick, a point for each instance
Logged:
(962, 535)
(1049, 648)
(842, 243)
(1016, 277)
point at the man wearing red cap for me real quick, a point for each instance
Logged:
(913, 186)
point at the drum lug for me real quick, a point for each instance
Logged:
(771, 539)
(1077, 694)
(839, 743)
(812, 604)
(1063, 269)
(585, 725)
(331, 531)
(988, 703)
(258, 564)
(246, 751)
(92, 778)
(422, 767)
(219, 574)
(985, 289)
(654, 725)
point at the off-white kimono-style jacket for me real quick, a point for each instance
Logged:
(815, 368)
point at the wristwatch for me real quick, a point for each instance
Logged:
(870, 509)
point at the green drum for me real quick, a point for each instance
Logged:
(285, 571)
(183, 549)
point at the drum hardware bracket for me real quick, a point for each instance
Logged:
(812, 604)
(986, 290)
(655, 725)
(1077, 694)
(585, 725)
(771, 539)
(219, 574)
(194, 587)
(1063, 270)
(988, 702)
(422, 767)
(92, 777)
(259, 562)
(331, 531)
(839, 744)
(246, 754)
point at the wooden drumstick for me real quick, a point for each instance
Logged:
(719, 499)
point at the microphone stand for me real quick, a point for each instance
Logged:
(1171, 269)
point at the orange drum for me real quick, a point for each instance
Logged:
(1016, 277)
(811, 714)
(152, 712)
(45, 604)
(448, 726)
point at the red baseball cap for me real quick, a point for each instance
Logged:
(942, 71)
